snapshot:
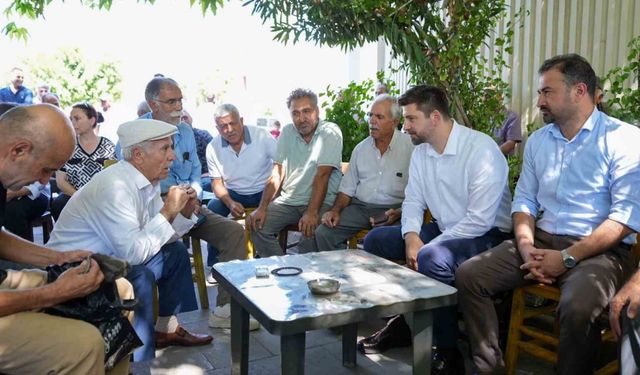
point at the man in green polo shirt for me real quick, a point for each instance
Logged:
(307, 168)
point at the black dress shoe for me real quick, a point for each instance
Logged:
(395, 334)
(447, 362)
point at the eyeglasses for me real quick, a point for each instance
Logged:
(170, 102)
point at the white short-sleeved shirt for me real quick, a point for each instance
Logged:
(379, 179)
(301, 162)
(246, 172)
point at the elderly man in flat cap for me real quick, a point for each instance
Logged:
(120, 213)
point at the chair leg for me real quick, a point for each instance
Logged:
(198, 266)
(283, 238)
(353, 243)
(517, 316)
(250, 253)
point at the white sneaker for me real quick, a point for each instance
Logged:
(210, 279)
(221, 318)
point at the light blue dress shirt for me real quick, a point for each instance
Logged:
(572, 186)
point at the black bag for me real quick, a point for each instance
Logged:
(102, 308)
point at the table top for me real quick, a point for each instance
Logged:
(370, 286)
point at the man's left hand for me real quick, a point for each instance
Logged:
(393, 215)
(549, 264)
(308, 223)
(630, 293)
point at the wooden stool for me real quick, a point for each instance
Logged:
(353, 241)
(247, 232)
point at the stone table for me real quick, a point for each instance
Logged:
(370, 287)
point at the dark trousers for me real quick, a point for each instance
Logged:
(57, 204)
(585, 292)
(217, 206)
(170, 270)
(20, 212)
(438, 261)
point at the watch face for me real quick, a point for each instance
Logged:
(570, 262)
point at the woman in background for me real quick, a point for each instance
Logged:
(87, 159)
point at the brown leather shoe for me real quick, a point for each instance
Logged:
(181, 338)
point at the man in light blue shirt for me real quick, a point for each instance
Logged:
(576, 206)
(165, 100)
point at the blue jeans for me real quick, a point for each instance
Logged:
(170, 269)
(217, 206)
(438, 261)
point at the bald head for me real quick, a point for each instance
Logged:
(34, 141)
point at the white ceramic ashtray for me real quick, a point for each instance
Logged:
(323, 286)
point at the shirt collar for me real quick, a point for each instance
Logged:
(452, 142)
(588, 125)
(137, 177)
(246, 137)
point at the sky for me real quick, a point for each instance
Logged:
(231, 51)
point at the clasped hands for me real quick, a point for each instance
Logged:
(544, 265)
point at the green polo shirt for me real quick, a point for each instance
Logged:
(301, 161)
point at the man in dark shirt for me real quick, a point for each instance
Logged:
(34, 142)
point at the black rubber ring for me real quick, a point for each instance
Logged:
(286, 271)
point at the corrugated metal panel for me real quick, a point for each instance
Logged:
(599, 30)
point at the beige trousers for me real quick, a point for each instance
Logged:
(36, 343)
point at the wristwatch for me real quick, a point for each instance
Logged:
(568, 260)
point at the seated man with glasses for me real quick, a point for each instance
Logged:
(165, 100)
(372, 189)
(240, 159)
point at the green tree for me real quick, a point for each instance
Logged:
(624, 99)
(437, 40)
(76, 78)
(347, 106)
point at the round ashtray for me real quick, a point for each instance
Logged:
(323, 286)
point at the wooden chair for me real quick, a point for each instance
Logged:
(198, 269)
(247, 232)
(46, 222)
(283, 237)
(543, 344)
(353, 241)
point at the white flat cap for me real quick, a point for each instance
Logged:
(140, 130)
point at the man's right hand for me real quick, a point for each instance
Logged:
(256, 219)
(237, 209)
(177, 197)
(413, 243)
(331, 218)
(73, 283)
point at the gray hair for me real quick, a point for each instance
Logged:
(127, 152)
(143, 108)
(396, 110)
(225, 110)
(154, 86)
(300, 94)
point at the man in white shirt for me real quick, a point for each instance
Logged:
(374, 183)
(240, 159)
(120, 213)
(460, 175)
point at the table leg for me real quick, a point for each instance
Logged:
(239, 339)
(349, 336)
(422, 337)
(292, 354)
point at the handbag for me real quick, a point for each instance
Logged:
(102, 308)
